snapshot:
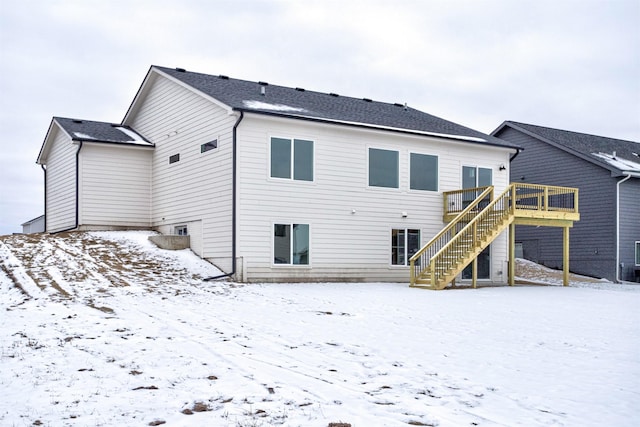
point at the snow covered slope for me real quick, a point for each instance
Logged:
(103, 329)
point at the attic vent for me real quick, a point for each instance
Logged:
(181, 70)
(263, 83)
(76, 121)
(223, 77)
(333, 94)
(366, 99)
(299, 89)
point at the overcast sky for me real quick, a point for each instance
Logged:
(569, 64)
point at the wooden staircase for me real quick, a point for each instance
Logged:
(481, 221)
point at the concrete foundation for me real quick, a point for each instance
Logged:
(171, 242)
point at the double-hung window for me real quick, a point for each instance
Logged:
(404, 244)
(291, 244)
(292, 159)
(384, 168)
(423, 174)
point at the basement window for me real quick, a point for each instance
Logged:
(404, 244)
(181, 230)
(175, 158)
(208, 146)
(291, 244)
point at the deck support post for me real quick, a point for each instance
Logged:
(512, 254)
(565, 256)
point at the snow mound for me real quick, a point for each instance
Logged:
(106, 329)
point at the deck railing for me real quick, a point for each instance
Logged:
(477, 224)
(482, 197)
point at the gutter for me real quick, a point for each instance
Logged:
(515, 154)
(234, 196)
(627, 176)
(77, 193)
(456, 138)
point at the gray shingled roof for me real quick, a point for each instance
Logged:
(88, 130)
(582, 144)
(242, 95)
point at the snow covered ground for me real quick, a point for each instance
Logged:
(109, 331)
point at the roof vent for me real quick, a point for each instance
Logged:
(333, 94)
(366, 99)
(263, 90)
(405, 107)
(299, 89)
(263, 83)
(181, 70)
(76, 121)
(223, 77)
(397, 104)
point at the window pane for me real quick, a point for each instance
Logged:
(468, 177)
(301, 244)
(637, 253)
(484, 177)
(397, 247)
(413, 242)
(280, 158)
(383, 168)
(303, 160)
(281, 244)
(424, 172)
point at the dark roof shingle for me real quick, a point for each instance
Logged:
(260, 97)
(583, 144)
(89, 130)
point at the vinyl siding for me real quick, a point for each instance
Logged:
(592, 239)
(344, 245)
(61, 184)
(115, 185)
(629, 226)
(199, 186)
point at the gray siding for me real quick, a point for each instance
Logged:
(629, 226)
(593, 238)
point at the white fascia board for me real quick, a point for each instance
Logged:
(44, 150)
(194, 90)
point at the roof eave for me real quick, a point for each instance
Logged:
(461, 139)
(554, 144)
(119, 143)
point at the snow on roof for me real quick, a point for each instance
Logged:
(259, 105)
(419, 132)
(619, 163)
(83, 135)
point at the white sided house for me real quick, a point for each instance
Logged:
(277, 184)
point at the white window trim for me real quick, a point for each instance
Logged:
(292, 179)
(217, 139)
(406, 241)
(636, 249)
(437, 190)
(493, 175)
(378, 188)
(176, 227)
(273, 245)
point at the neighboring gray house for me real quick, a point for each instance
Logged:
(606, 241)
(271, 183)
(35, 225)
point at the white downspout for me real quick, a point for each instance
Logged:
(627, 176)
